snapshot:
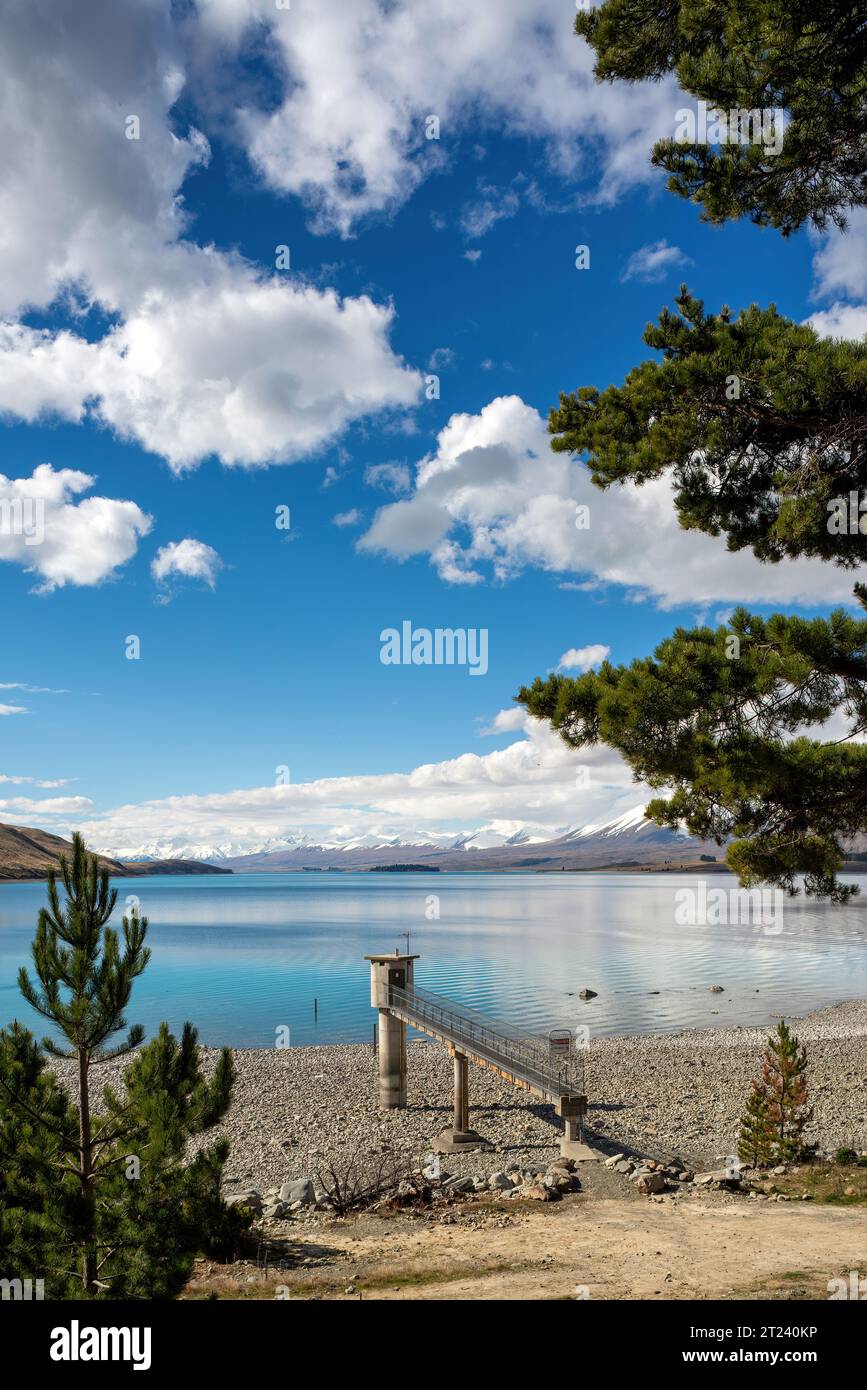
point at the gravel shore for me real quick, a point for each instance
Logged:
(293, 1110)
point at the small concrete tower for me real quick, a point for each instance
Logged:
(387, 972)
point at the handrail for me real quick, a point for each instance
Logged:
(527, 1058)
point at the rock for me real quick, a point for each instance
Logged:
(499, 1182)
(540, 1193)
(273, 1211)
(458, 1184)
(249, 1199)
(614, 1160)
(301, 1190)
(651, 1182)
(716, 989)
(587, 994)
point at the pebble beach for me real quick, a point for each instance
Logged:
(297, 1109)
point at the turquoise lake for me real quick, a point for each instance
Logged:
(242, 956)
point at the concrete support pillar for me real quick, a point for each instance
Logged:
(391, 972)
(462, 1095)
(392, 1062)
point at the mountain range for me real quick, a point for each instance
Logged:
(630, 839)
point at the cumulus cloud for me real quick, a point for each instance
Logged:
(350, 518)
(840, 321)
(530, 782)
(62, 540)
(186, 559)
(653, 262)
(205, 354)
(348, 134)
(494, 499)
(506, 721)
(583, 658)
(253, 371)
(840, 262)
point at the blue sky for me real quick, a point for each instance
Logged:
(150, 344)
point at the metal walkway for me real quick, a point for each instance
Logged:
(528, 1063)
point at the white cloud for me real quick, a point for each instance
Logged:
(840, 321)
(206, 355)
(33, 782)
(46, 806)
(348, 135)
(531, 781)
(188, 559)
(253, 371)
(840, 263)
(494, 498)
(472, 256)
(63, 541)
(394, 477)
(490, 206)
(506, 721)
(13, 709)
(652, 262)
(31, 689)
(583, 658)
(350, 518)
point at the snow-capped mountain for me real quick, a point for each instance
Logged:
(628, 838)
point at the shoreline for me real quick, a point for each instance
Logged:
(296, 1110)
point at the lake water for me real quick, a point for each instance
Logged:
(244, 955)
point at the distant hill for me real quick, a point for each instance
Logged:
(27, 853)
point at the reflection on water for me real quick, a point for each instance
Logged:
(244, 955)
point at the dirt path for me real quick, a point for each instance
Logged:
(619, 1249)
(612, 1248)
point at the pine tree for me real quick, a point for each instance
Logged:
(96, 1196)
(776, 1114)
(759, 422)
(807, 58)
(717, 718)
(754, 1143)
(784, 1083)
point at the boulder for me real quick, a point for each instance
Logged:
(458, 1184)
(250, 1199)
(541, 1193)
(651, 1182)
(499, 1182)
(301, 1190)
(587, 994)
